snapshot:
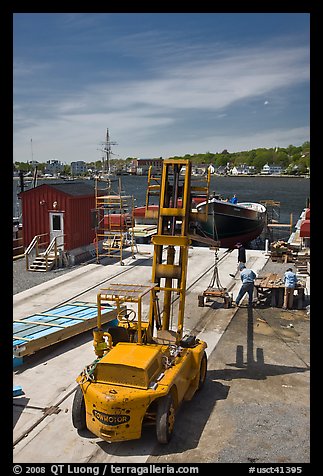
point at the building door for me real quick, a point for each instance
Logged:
(56, 227)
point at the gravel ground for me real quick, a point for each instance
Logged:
(23, 279)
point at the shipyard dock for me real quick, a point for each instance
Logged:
(254, 406)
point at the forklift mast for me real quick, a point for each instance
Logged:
(138, 376)
(169, 275)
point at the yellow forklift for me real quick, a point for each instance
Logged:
(143, 369)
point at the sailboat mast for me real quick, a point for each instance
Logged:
(108, 150)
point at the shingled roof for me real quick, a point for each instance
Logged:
(75, 188)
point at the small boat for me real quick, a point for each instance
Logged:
(231, 223)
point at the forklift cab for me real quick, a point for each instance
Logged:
(129, 299)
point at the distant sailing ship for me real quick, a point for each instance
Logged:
(107, 174)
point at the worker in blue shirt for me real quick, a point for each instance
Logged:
(247, 277)
(234, 199)
(290, 281)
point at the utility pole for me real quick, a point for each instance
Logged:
(32, 154)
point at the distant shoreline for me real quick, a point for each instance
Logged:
(264, 176)
(212, 175)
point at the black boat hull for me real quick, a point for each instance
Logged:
(229, 223)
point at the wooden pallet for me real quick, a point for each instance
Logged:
(35, 332)
(214, 293)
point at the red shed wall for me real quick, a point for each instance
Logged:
(38, 202)
(78, 222)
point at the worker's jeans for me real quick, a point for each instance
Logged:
(245, 288)
(288, 298)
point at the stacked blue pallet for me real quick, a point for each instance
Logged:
(62, 320)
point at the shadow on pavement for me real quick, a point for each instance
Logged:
(255, 369)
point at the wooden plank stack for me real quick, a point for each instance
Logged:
(281, 252)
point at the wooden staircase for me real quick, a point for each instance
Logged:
(41, 263)
(46, 260)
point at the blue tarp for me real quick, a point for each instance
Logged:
(56, 319)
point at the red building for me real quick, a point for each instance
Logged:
(305, 226)
(141, 166)
(58, 209)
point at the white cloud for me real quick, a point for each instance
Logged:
(211, 84)
(70, 124)
(82, 141)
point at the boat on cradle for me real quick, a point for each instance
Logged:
(228, 223)
(231, 223)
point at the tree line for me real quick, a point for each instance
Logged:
(291, 158)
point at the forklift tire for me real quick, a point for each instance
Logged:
(165, 419)
(78, 410)
(203, 370)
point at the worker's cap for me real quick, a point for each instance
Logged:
(241, 266)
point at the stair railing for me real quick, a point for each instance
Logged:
(34, 246)
(53, 246)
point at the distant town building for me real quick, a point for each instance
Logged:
(53, 167)
(141, 166)
(271, 169)
(222, 170)
(201, 169)
(243, 169)
(78, 168)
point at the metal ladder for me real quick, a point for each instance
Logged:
(114, 221)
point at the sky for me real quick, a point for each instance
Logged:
(163, 84)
